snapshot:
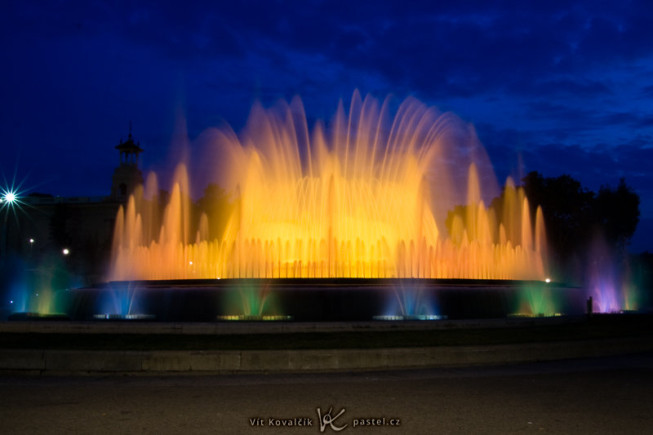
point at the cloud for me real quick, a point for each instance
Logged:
(440, 50)
(541, 81)
(572, 87)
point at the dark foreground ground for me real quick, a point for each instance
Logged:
(606, 395)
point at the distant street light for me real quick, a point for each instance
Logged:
(65, 251)
(9, 197)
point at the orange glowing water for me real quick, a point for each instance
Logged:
(359, 199)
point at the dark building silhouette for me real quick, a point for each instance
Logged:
(128, 174)
(45, 224)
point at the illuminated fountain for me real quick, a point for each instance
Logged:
(252, 302)
(39, 293)
(357, 203)
(412, 301)
(611, 289)
(121, 301)
(366, 197)
(536, 300)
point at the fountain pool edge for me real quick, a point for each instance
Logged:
(76, 362)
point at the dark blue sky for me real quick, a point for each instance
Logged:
(558, 87)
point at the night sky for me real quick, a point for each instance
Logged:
(561, 87)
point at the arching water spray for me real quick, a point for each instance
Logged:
(365, 197)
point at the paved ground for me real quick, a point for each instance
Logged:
(608, 395)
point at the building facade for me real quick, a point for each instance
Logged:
(77, 229)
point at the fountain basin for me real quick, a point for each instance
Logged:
(32, 316)
(342, 299)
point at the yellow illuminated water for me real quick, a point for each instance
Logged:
(361, 198)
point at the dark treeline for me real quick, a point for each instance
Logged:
(577, 219)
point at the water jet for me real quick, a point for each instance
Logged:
(342, 216)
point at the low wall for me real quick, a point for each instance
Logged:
(76, 362)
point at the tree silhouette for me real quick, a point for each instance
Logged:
(618, 213)
(574, 216)
(568, 208)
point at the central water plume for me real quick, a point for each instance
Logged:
(361, 198)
